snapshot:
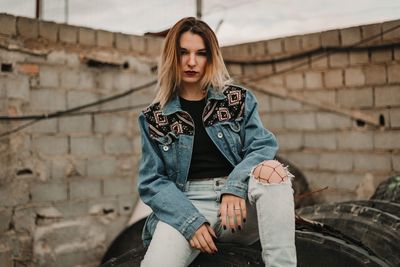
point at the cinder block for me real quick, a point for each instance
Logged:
(372, 162)
(79, 98)
(87, 36)
(48, 77)
(356, 97)
(18, 87)
(14, 193)
(47, 99)
(86, 80)
(101, 167)
(396, 162)
(122, 41)
(27, 27)
(257, 48)
(72, 208)
(126, 203)
(387, 140)
(24, 219)
(300, 121)
(354, 77)
(274, 46)
(333, 78)
(359, 57)
(387, 96)
(313, 80)
(393, 73)
(117, 186)
(8, 24)
(138, 43)
(48, 30)
(235, 69)
(294, 81)
(394, 33)
(272, 121)
(86, 146)
(68, 34)
(350, 36)
(6, 254)
(375, 74)
(104, 38)
(154, 45)
(118, 145)
(304, 160)
(336, 161)
(318, 62)
(84, 189)
(330, 38)
(311, 41)
(44, 126)
(370, 31)
(51, 145)
(333, 121)
(110, 123)
(69, 78)
(292, 44)
(122, 81)
(290, 140)
(381, 56)
(355, 140)
(5, 218)
(103, 205)
(49, 192)
(326, 140)
(323, 96)
(63, 168)
(278, 104)
(338, 59)
(76, 124)
(394, 117)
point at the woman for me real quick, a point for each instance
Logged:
(207, 168)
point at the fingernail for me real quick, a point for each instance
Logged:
(224, 227)
(219, 214)
(244, 220)
(240, 228)
(233, 231)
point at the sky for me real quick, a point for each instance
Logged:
(240, 21)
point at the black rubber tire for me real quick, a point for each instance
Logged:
(388, 190)
(374, 228)
(316, 245)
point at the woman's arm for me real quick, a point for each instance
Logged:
(169, 204)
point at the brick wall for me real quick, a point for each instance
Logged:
(331, 149)
(67, 185)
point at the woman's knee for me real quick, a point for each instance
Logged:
(270, 172)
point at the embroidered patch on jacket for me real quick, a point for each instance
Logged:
(160, 125)
(232, 107)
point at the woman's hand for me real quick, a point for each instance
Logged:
(233, 212)
(202, 239)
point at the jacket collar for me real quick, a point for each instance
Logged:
(174, 104)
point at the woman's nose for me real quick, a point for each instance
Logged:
(192, 60)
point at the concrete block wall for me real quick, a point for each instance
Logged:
(358, 73)
(67, 184)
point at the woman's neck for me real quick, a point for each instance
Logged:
(191, 93)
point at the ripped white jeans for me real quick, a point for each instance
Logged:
(270, 218)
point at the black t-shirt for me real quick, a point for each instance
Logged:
(207, 161)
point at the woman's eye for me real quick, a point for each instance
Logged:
(202, 53)
(183, 52)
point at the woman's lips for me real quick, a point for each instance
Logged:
(190, 73)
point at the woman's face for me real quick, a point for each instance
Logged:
(193, 56)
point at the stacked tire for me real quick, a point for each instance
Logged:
(352, 233)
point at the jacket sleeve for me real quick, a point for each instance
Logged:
(259, 144)
(169, 203)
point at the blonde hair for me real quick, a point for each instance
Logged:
(169, 76)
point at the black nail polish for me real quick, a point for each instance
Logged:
(224, 227)
(244, 220)
(240, 228)
(233, 231)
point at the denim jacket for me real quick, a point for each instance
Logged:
(231, 120)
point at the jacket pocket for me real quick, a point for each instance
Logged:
(168, 147)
